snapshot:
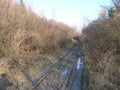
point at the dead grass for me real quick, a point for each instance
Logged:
(23, 32)
(24, 36)
(102, 54)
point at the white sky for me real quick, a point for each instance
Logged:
(71, 12)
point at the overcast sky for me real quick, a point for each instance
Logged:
(71, 12)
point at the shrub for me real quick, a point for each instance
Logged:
(24, 32)
(102, 51)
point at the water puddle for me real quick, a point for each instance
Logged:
(79, 64)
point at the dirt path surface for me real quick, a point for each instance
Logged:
(75, 81)
(66, 74)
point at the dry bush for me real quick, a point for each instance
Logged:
(23, 32)
(102, 51)
(26, 37)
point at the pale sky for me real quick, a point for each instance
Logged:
(71, 12)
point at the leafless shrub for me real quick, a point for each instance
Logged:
(25, 35)
(23, 32)
(102, 51)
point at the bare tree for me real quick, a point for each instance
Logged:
(116, 3)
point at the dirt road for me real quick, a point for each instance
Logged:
(66, 74)
(75, 81)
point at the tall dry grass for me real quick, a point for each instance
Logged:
(102, 54)
(24, 32)
(27, 39)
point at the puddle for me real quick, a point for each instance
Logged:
(79, 64)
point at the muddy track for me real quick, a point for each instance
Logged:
(62, 75)
(75, 80)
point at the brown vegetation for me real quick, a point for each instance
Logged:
(101, 45)
(23, 32)
(25, 38)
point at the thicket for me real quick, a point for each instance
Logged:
(101, 44)
(22, 32)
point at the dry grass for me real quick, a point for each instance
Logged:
(24, 36)
(23, 32)
(28, 42)
(102, 52)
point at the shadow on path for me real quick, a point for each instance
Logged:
(4, 82)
